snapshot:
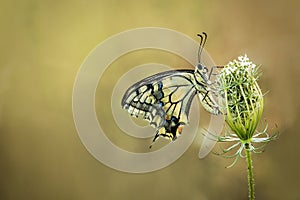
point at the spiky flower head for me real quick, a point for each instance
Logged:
(241, 99)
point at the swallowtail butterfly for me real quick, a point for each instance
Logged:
(164, 99)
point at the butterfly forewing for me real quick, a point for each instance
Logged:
(164, 99)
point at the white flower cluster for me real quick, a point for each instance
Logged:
(243, 63)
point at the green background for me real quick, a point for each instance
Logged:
(43, 44)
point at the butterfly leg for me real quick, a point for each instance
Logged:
(212, 69)
(209, 77)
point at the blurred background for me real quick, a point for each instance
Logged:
(43, 44)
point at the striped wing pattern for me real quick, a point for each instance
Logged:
(164, 100)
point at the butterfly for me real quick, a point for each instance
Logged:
(164, 99)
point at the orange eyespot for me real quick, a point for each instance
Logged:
(179, 129)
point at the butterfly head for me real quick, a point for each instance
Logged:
(201, 72)
(201, 68)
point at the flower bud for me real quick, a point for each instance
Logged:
(240, 98)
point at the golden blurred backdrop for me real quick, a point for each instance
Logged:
(43, 44)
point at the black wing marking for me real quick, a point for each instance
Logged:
(208, 102)
(164, 99)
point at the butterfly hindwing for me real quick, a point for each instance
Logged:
(164, 100)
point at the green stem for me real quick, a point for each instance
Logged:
(250, 173)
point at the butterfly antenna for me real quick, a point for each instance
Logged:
(203, 39)
(200, 46)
